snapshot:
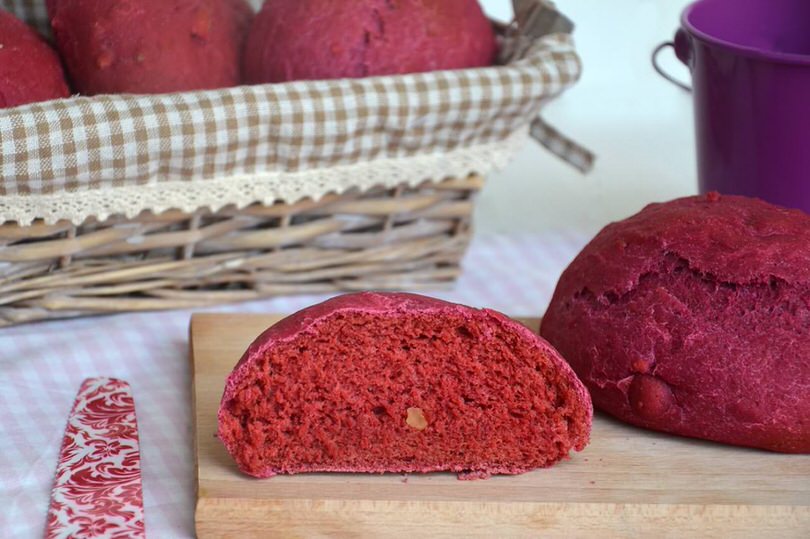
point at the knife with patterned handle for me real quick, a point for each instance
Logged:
(97, 490)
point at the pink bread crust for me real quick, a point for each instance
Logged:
(393, 304)
(30, 70)
(693, 317)
(150, 46)
(322, 39)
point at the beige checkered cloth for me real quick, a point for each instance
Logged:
(95, 157)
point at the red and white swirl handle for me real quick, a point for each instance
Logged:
(97, 489)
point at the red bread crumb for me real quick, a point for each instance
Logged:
(693, 317)
(29, 68)
(150, 46)
(378, 383)
(322, 39)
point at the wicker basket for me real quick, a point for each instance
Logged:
(396, 238)
(310, 186)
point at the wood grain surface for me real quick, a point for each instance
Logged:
(627, 483)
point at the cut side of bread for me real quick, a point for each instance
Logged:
(401, 383)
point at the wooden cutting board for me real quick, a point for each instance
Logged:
(626, 483)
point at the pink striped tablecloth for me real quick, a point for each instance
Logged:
(42, 366)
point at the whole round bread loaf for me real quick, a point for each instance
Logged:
(325, 39)
(30, 70)
(385, 382)
(150, 46)
(693, 317)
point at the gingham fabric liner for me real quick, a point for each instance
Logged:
(242, 190)
(268, 135)
(42, 365)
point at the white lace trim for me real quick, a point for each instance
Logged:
(266, 188)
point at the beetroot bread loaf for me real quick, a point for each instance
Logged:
(374, 382)
(693, 317)
(324, 39)
(150, 46)
(30, 70)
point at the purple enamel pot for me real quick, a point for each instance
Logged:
(750, 63)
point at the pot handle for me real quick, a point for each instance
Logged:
(683, 50)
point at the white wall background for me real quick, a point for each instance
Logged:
(639, 125)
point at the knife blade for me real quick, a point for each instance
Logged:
(97, 489)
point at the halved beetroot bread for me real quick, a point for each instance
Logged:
(376, 382)
(693, 317)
